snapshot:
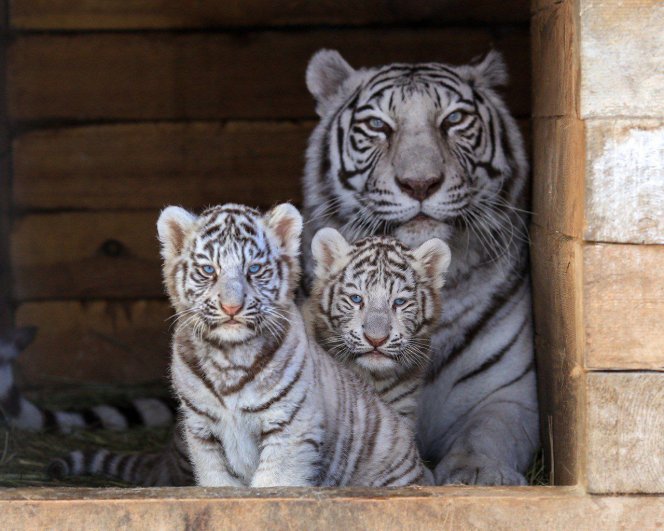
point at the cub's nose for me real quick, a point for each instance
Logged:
(418, 188)
(231, 310)
(375, 341)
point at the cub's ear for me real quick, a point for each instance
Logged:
(23, 336)
(326, 72)
(173, 226)
(285, 222)
(433, 259)
(329, 248)
(489, 71)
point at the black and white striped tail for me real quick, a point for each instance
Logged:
(18, 412)
(170, 467)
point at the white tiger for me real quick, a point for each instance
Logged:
(373, 306)
(262, 405)
(430, 150)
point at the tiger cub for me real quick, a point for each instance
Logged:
(373, 306)
(20, 413)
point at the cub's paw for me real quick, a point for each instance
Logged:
(475, 469)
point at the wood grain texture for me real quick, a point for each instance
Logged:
(623, 306)
(96, 342)
(86, 255)
(624, 199)
(555, 44)
(556, 277)
(153, 165)
(445, 508)
(621, 58)
(624, 433)
(558, 170)
(157, 14)
(213, 76)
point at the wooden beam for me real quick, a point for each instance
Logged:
(621, 58)
(158, 14)
(555, 44)
(412, 508)
(213, 76)
(556, 276)
(623, 306)
(625, 447)
(96, 342)
(150, 165)
(624, 183)
(558, 169)
(86, 255)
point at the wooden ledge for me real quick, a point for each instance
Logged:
(411, 508)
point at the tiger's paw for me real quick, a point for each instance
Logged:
(475, 469)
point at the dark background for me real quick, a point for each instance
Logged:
(115, 108)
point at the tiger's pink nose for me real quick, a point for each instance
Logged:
(231, 310)
(376, 341)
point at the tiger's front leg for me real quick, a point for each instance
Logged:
(210, 466)
(289, 461)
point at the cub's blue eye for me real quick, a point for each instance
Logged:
(356, 299)
(399, 302)
(454, 118)
(208, 269)
(254, 268)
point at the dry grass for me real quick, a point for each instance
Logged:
(24, 455)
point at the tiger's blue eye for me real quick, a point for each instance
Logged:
(356, 299)
(376, 123)
(399, 302)
(254, 268)
(208, 269)
(454, 118)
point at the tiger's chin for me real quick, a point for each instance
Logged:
(376, 363)
(231, 333)
(420, 229)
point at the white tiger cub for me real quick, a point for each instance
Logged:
(262, 405)
(373, 306)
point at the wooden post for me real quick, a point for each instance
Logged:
(598, 230)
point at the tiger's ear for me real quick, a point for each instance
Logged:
(489, 71)
(433, 260)
(173, 226)
(326, 72)
(328, 248)
(285, 222)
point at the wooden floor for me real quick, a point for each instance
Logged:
(550, 508)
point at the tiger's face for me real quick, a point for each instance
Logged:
(231, 272)
(376, 301)
(416, 150)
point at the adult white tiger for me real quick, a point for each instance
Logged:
(430, 150)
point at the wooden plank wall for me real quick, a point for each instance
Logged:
(598, 240)
(120, 108)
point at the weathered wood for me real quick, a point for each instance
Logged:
(623, 306)
(414, 508)
(554, 40)
(153, 165)
(556, 276)
(625, 422)
(558, 168)
(86, 255)
(621, 58)
(624, 200)
(96, 341)
(143, 14)
(123, 76)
